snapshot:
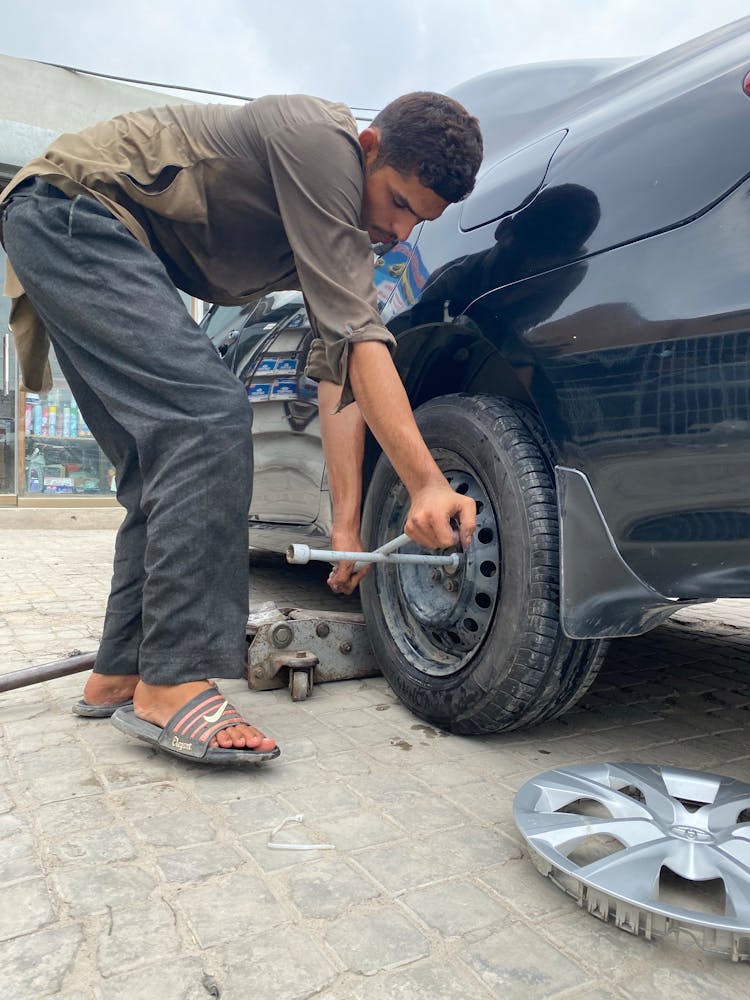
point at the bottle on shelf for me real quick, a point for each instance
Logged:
(35, 472)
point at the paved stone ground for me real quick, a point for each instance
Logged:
(124, 874)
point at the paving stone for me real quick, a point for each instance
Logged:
(140, 935)
(363, 829)
(261, 813)
(93, 847)
(182, 980)
(154, 799)
(376, 939)
(714, 979)
(517, 964)
(20, 710)
(422, 811)
(236, 906)
(7, 804)
(10, 824)
(24, 733)
(154, 769)
(61, 785)
(26, 907)
(97, 888)
(281, 966)
(194, 864)
(455, 908)
(490, 802)
(45, 761)
(325, 889)
(362, 726)
(176, 829)
(34, 966)
(345, 765)
(324, 798)
(602, 948)
(58, 819)
(383, 782)
(413, 862)
(19, 858)
(222, 785)
(323, 740)
(522, 888)
(426, 980)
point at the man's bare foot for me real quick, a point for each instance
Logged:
(106, 689)
(157, 703)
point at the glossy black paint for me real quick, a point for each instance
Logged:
(615, 300)
(600, 273)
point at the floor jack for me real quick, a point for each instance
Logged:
(286, 646)
(296, 648)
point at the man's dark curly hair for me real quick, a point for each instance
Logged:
(433, 137)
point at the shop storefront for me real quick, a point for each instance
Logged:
(47, 454)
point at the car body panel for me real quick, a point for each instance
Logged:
(600, 274)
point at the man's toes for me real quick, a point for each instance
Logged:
(239, 737)
(229, 738)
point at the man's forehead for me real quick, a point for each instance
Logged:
(422, 200)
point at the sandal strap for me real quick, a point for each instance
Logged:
(190, 729)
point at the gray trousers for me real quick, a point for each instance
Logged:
(174, 422)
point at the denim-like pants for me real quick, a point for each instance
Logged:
(173, 421)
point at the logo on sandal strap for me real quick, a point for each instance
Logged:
(215, 716)
(179, 744)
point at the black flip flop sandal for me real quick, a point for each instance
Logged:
(88, 711)
(189, 731)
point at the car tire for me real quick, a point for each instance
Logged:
(480, 650)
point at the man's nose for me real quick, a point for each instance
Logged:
(401, 230)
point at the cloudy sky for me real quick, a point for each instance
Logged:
(352, 51)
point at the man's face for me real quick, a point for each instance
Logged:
(393, 204)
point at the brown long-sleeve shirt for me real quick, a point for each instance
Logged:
(236, 202)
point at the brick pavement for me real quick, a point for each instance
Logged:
(125, 874)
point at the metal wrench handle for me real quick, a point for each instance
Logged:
(301, 554)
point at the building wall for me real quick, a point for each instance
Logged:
(38, 102)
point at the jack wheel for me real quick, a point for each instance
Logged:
(300, 687)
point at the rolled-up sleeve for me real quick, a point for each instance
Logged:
(318, 175)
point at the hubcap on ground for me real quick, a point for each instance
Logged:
(662, 840)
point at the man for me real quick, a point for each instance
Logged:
(225, 203)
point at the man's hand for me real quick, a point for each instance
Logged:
(343, 579)
(432, 510)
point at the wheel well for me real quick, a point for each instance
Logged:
(437, 360)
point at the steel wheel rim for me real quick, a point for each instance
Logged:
(694, 825)
(437, 618)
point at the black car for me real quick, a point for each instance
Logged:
(575, 340)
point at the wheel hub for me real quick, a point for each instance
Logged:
(450, 610)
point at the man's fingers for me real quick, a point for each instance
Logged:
(444, 524)
(343, 580)
(467, 522)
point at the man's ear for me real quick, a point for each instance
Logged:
(369, 140)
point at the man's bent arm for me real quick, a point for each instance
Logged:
(385, 407)
(343, 435)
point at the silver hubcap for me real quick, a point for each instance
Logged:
(659, 822)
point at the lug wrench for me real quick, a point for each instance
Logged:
(299, 555)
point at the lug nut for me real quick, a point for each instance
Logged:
(451, 586)
(436, 575)
(322, 630)
(345, 647)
